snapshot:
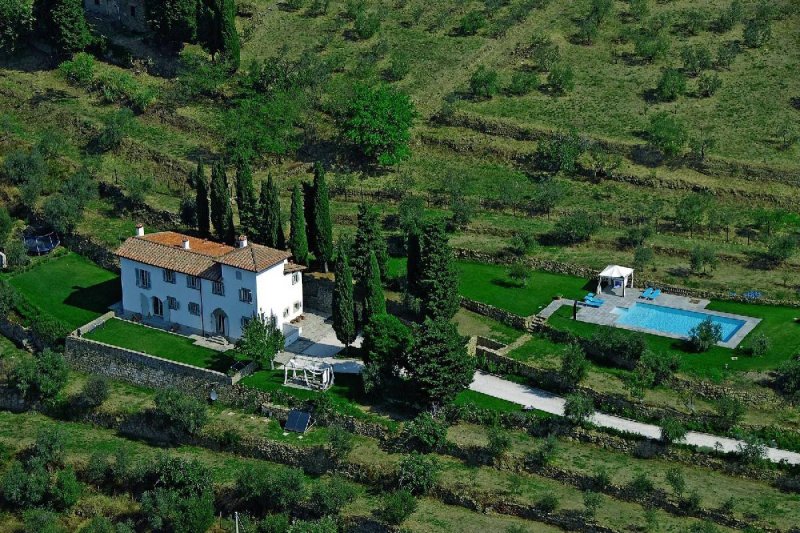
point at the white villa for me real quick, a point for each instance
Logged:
(207, 287)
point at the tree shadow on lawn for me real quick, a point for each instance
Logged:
(220, 361)
(96, 298)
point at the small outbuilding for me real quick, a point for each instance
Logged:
(616, 277)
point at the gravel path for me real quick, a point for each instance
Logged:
(551, 403)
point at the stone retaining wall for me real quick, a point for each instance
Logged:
(501, 315)
(317, 293)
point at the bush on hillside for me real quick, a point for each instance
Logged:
(425, 433)
(178, 411)
(418, 473)
(79, 70)
(397, 506)
(705, 335)
(574, 228)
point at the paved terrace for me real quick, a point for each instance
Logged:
(605, 316)
(318, 341)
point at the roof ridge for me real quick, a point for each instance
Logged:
(176, 247)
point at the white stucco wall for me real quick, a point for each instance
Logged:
(272, 290)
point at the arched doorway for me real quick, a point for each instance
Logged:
(220, 322)
(158, 307)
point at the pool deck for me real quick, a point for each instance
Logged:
(604, 316)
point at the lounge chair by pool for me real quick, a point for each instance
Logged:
(591, 301)
(646, 293)
(655, 294)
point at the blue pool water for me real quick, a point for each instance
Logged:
(673, 321)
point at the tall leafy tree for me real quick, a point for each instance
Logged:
(298, 242)
(369, 238)
(438, 278)
(245, 194)
(413, 264)
(201, 198)
(343, 306)
(270, 226)
(220, 199)
(173, 21)
(261, 340)
(65, 23)
(17, 17)
(439, 364)
(374, 300)
(229, 231)
(322, 245)
(218, 33)
(377, 121)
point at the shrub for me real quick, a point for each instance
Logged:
(471, 23)
(578, 407)
(676, 480)
(544, 453)
(484, 83)
(97, 468)
(787, 377)
(273, 489)
(752, 451)
(544, 52)
(601, 479)
(499, 441)
(640, 487)
(66, 490)
(425, 433)
(417, 473)
(560, 152)
(651, 44)
(757, 32)
(705, 335)
(671, 85)
(667, 133)
(561, 78)
(340, 442)
(708, 84)
(41, 521)
(692, 501)
(41, 376)
(366, 24)
(781, 249)
(522, 242)
(574, 365)
(591, 502)
(661, 365)
(730, 17)
(399, 66)
(329, 497)
(397, 506)
(574, 228)
(95, 390)
(20, 166)
(116, 127)
(170, 510)
(672, 430)
(617, 346)
(121, 87)
(79, 70)
(522, 82)
(726, 53)
(179, 411)
(548, 503)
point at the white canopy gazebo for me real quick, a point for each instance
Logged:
(617, 276)
(308, 373)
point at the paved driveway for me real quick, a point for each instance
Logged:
(318, 341)
(551, 403)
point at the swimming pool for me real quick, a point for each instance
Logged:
(671, 321)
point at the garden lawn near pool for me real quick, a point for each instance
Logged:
(69, 288)
(161, 344)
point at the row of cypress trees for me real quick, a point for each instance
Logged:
(310, 228)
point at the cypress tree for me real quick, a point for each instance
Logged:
(270, 225)
(201, 196)
(245, 195)
(342, 306)
(439, 364)
(322, 245)
(220, 199)
(369, 238)
(230, 37)
(438, 278)
(298, 243)
(413, 266)
(230, 227)
(308, 210)
(374, 300)
(217, 31)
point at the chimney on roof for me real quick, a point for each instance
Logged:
(242, 241)
(186, 243)
(140, 230)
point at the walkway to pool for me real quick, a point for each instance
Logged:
(605, 316)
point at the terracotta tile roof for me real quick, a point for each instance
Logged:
(290, 267)
(203, 258)
(254, 257)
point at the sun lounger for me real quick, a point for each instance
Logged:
(593, 302)
(655, 294)
(646, 294)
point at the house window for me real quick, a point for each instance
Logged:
(169, 276)
(246, 320)
(158, 307)
(245, 295)
(238, 274)
(172, 303)
(194, 308)
(142, 278)
(193, 282)
(285, 312)
(133, 11)
(297, 306)
(218, 288)
(295, 278)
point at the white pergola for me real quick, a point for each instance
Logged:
(308, 373)
(616, 275)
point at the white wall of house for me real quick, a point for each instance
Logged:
(273, 292)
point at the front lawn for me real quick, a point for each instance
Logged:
(69, 288)
(161, 344)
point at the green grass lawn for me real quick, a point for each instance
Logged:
(161, 344)
(70, 288)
